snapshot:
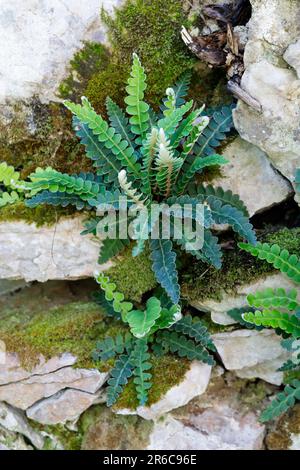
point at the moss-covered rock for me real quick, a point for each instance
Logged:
(40, 216)
(200, 281)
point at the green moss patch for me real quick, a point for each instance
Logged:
(167, 371)
(40, 216)
(200, 281)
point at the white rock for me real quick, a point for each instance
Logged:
(12, 441)
(219, 428)
(252, 353)
(238, 298)
(66, 405)
(292, 56)
(250, 175)
(25, 393)
(44, 253)
(40, 38)
(15, 421)
(273, 32)
(194, 383)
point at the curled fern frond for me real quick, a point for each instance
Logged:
(136, 107)
(280, 259)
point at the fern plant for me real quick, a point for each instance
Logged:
(149, 158)
(158, 329)
(279, 309)
(9, 181)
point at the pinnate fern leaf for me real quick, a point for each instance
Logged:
(57, 199)
(105, 134)
(111, 295)
(280, 259)
(111, 347)
(194, 165)
(111, 247)
(195, 329)
(272, 318)
(120, 122)
(141, 322)
(282, 402)
(274, 298)
(8, 198)
(175, 343)
(142, 377)
(170, 123)
(136, 107)
(164, 267)
(226, 214)
(119, 375)
(8, 175)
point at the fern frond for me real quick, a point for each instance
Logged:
(164, 267)
(119, 375)
(55, 182)
(274, 298)
(110, 248)
(226, 197)
(237, 315)
(140, 361)
(57, 199)
(110, 347)
(8, 198)
(167, 318)
(106, 164)
(195, 329)
(117, 299)
(226, 214)
(282, 402)
(280, 259)
(194, 165)
(8, 175)
(120, 122)
(170, 122)
(105, 134)
(136, 107)
(166, 165)
(198, 127)
(141, 322)
(170, 102)
(130, 192)
(171, 341)
(220, 124)
(181, 88)
(272, 318)
(297, 180)
(148, 152)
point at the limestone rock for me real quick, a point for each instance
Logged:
(292, 56)
(57, 252)
(217, 429)
(252, 354)
(12, 441)
(273, 32)
(250, 175)
(25, 393)
(238, 299)
(36, 55)
(66, 405)
(15, 421)
(194, 383)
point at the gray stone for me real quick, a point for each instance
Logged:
(292, 56)
(66, 405)
(252, 354)
(250, 174)
(25, 393)
(12, 441)
(193, 384)
(15, 421)
(273, 32)
(44, 253)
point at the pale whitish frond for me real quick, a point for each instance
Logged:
(130, 192)
(167, 166)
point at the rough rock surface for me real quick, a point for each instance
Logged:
(238, 299)
(271, 60)
(194, 383)
(66, 405)
(252, 354)
(36, 55)
(43, 253)
(250, 174)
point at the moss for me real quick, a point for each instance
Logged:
(167, 371)
(70, 328)
(200, 281)
(133, 275)
(102, 430)
(42, 215)
(280, 437)
(58, 436)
